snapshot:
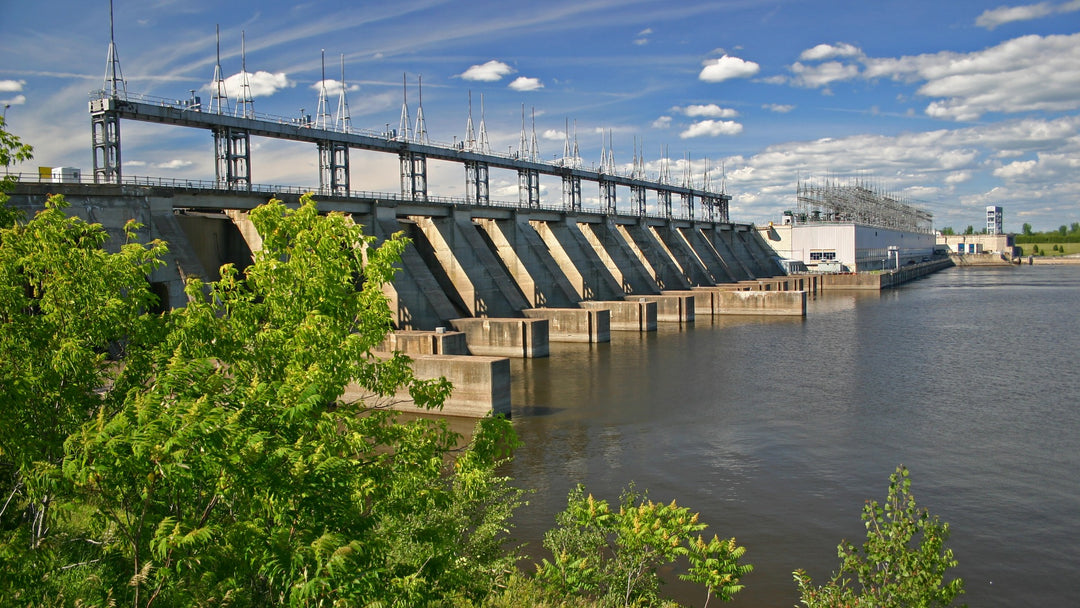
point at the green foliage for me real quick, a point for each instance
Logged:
(969, 230)
(902, 564)
(1027, 229)
(948, 231)
(213, 461)
(615, 556)
(12, 150)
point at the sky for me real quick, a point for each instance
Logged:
(948, 105)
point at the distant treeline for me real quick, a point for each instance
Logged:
(1064, 234)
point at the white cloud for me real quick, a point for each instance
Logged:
(707, 111)
(822, 75)
(829, 51)
(18, 100)
(173, 164)
(333, 87)
(779, 108)
(487, 72)
(522, 83)
(711, 128)
(663, 122)
(958, 177)
(643, 36)
(11, 86)
(1001, 15)
(261, 84)
(726, 68)
(553, 135)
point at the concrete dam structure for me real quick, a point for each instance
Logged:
(466, 261)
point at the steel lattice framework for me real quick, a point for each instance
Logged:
(861, 203)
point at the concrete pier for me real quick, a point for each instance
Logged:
(672, 306)
(627, 315)
(525, 338)
(426, 342)
(481, 386)
(574, 324)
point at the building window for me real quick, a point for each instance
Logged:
(816, 255)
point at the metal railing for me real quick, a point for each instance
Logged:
(202, 185)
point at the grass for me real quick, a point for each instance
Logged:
(1048, 248)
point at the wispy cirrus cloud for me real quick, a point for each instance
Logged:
(992, 18)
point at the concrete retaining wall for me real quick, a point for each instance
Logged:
(574, 324)
(526, 338)
(627, 315)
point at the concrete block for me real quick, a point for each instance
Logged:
(526, 338)
(672, 306)
(626, 315)
(574, 324)
(789, 303)
(415, 342)
(481, 385)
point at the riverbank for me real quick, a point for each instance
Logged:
(1053, 259)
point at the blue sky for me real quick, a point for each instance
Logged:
(950, 105)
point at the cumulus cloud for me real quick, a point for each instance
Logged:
(707, 111)
(991, 18)
(726, 68)
(663, 122)
(261, 84)
(553, 135)
(779, 108)
(487, 72)
(711, 128)
(823, 74)
(333, 87)
(1019, 75)
(12, 86)
(830, 51)
(950, 168)
(522, 83)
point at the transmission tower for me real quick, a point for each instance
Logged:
(403, 124)
(322, 111)
(219, 101)
(114, 76)
(343, 122)
(245, 106)
(421, 127)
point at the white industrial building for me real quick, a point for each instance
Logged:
(851, 228)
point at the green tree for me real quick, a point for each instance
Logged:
(1027, 229)
(1074, 228)
(902, 564)
(213, 459)
(948, 231)
(969, 230)
(12, 150)
(614, 556)
(1063, 230)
